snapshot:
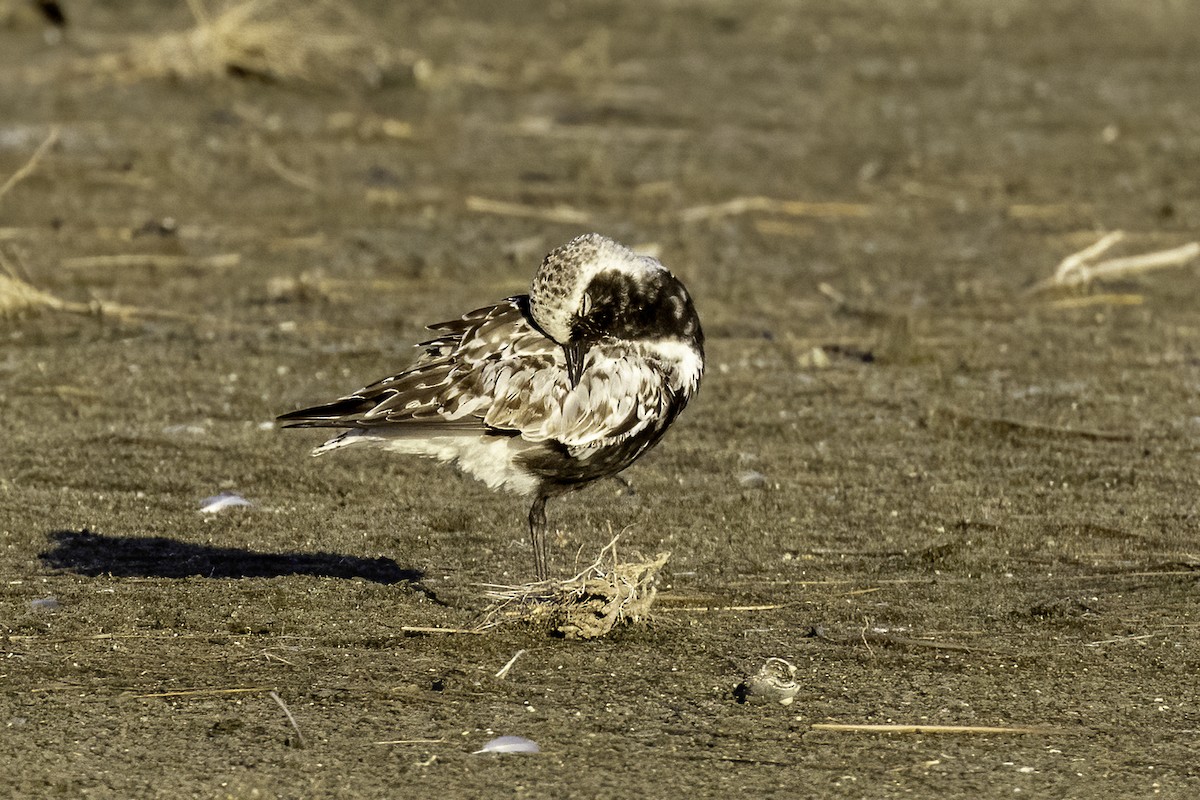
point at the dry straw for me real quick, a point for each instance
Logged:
(606, 594)
(317, 42)
(17, 296)
(1081, 269)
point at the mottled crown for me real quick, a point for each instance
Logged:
(559, 285)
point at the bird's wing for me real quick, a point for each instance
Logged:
(484, 332)
(493, 370)
(445, 388)
(616, 398)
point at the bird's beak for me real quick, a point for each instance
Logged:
(576, 353)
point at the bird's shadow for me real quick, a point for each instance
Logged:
(88, 553)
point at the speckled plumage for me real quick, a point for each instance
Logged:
(542, 393)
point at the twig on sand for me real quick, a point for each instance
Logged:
(503, 673)
(287, 174)
(868, 637)
(29, 166)
(1006, 425)
(791, 208)
(412, 741)
(300, 743)
(421, 629)
(714, 609)
(151, 260)
(1076, 261)
(18, 296)
(1122, 639)
(1105, 299)
(1078, 268)
(559, 213)
(201, 692)
(961, 729)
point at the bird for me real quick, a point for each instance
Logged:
(541, 393)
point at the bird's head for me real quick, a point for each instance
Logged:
(593, 288)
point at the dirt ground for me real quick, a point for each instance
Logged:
(947, 496)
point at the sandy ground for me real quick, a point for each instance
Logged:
(946, 498)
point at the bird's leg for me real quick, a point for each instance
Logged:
(537, 534)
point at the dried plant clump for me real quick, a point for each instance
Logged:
(606, 594)
(319, 43)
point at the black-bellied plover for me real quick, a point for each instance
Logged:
(541, 393)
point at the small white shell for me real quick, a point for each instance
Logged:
(752, 479)
(774, 682)
(509, 744)
(211, 505)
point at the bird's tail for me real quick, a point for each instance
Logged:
(337, 414)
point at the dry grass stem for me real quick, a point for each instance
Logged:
(961, 729)
(605, 594)
(421, 629)
(791, 208)
(1132, 265)
(711, 609)
(1004, 425)
(560, 213)
(545, 127)
(503, 673)
(1076, 260)
(299, 736)
(868, 637)
(1079, 269)
(201, 692)
(1046, 210)
(1122, 639)
(152, 261)
(18, 297)
(27, 169)
(289, 175)
(1106, 299)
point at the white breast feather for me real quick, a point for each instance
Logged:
(490, 459)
